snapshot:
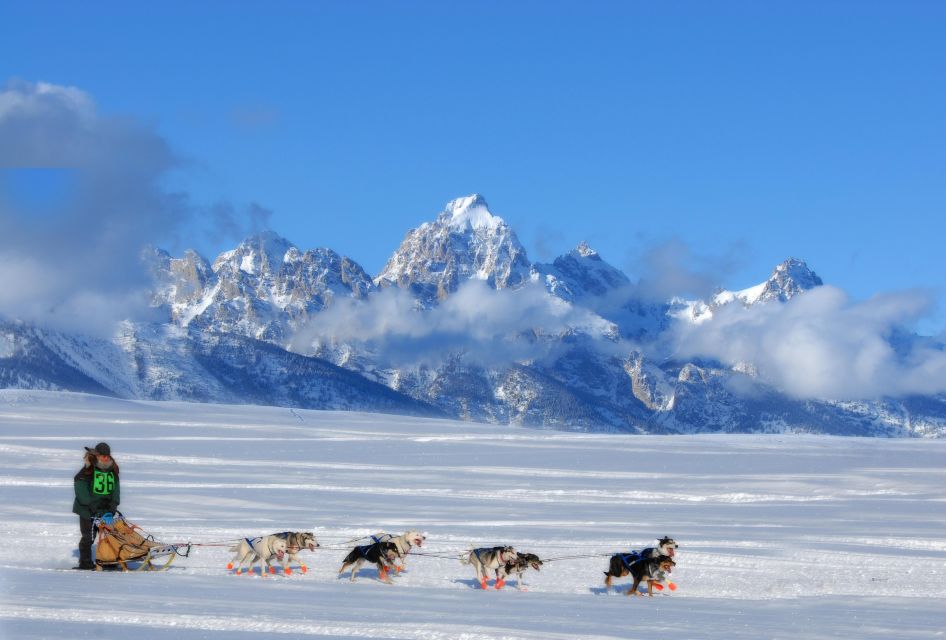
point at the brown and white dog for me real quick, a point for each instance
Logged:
(485, 559)
(522, 562)
(381, 554)
(261, 549)
(649, 570)
(404, 543)
(620, 564)
(296, 541)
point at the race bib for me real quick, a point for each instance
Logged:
(103, 483)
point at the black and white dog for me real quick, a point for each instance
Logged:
(404, 543)
(522, 562)
(649, 570)
(620, 564)
(487, 559)
(381, 554)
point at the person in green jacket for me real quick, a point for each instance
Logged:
(97, 496)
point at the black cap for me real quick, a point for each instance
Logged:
(101, 449)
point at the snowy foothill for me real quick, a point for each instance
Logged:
(781, 536)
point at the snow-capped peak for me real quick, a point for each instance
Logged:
(260, 253)
(585, 251)
(788, 279)
(470, 212)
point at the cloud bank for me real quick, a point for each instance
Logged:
(821, 344)
(486, 326)
(75, 261)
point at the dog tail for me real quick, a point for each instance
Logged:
(465, 557)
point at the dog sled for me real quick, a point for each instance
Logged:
(126, 546)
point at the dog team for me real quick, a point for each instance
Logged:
(651, 566)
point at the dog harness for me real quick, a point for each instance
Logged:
(253, 542)
(628, 558)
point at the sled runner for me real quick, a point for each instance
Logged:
(122, 546)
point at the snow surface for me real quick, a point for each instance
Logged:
(781, 536)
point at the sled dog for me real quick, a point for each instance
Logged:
(381, 554)
(296, 541)
(487, 559)
(522, 562)
(647, 570)
(620, 564)
(404, 543)
(262, 549)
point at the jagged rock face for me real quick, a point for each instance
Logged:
(465, 242)
(649, 384)
(265, 288)
(579, 275)
(788, 280)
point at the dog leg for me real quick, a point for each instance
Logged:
(248, 561)
(354, 568)
(633, 591)
(500, 579)
(607, 580)
(481, 576)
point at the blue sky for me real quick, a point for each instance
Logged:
(747, 132)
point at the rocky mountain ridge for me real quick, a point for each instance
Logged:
(230, 326)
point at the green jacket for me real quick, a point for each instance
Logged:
(97, 491)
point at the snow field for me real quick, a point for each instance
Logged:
(781, 536)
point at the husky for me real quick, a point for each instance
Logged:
(487, 559)
(620, 564)
(522, 562)
(647, 570)
(296, 541)
(262, 549)
(382, 554)
(404, 543)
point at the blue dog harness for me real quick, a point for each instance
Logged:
(628, 558)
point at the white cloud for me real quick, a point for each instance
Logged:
(488, 326)
(821, 344)
(81, 253)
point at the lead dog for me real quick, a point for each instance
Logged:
(620, 564)
(262, 549)
(522, 562)
(296, 541)
(404, 542)
(381, 554)
(648, 570)
(487, 559)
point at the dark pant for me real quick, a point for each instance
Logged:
(85, 542)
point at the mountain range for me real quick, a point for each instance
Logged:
(458, 323)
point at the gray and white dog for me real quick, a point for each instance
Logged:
(522, 562)
(296, 541)
(486, 559)
(404, 543)
(261, 549)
